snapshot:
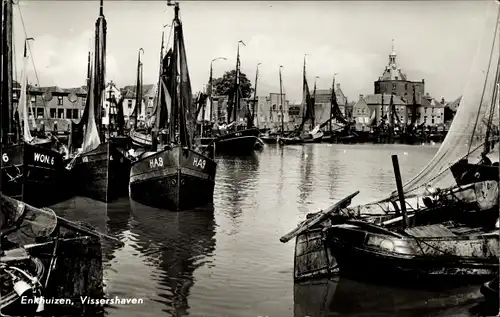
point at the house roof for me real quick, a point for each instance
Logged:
(147, 91)
(55, 89)
(454, 104)
(376, 99)
(324, 95)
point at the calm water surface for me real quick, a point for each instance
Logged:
(230, 262)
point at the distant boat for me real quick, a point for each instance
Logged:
(100, 168)
(238, 140)
(175, 174)
(299, 136)
(32, 167)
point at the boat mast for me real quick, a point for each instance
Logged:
(7, 106)
(138, 89)
(255, 95)
(281, 102)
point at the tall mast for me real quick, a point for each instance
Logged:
(7, 106)
(331, 103)
(281, 102)
(255, 94)
(138, 89)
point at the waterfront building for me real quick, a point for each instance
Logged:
(110, 111)
(55, 107)
(147, 104)
(322, 103)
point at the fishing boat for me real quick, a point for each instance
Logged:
(440, 223)
(44, 256)
(140, 137)
(32, 167)
(299, 136)
(176, 174)
(272, 136)
(99, 167)
(237, 139)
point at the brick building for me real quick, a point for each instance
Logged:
(55, 106)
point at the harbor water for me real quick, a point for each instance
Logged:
(229, 261)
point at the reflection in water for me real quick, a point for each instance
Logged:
(345, 297)
(175, 245)
(256, 199)
(306, 170)
(238, 177)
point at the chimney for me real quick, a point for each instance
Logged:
(423, 81)
(442, 100)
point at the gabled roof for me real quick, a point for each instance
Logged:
(454, 104)
(147, 91)
(376, 99)
(55, 89)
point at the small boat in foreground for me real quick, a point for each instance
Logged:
(46, 256)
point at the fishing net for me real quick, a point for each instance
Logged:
(468, 130)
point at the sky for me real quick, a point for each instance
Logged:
(433, 40)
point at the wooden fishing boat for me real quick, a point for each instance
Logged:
(140, 139)
(176, 175)
(237, 142)
(440, 223)
(176, 178)
(46, 256)
(299, 136)
(101, 168)
(32, 168)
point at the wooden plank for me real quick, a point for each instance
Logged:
(312, 258)
(430, 231)
(322, 215)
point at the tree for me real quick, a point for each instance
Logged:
(224, 84)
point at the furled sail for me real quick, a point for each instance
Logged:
(91, 138)
(187, 106)
(23, 102)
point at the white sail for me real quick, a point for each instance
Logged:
(23, 102)
(91, 138)
(464, 133)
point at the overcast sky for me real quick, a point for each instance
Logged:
(434, 40)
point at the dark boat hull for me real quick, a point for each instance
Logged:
(34, 174)
(269, 139)
(240, 142)
(102, 174)
(361, 254)
(174, 179)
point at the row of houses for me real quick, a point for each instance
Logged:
(55, 106)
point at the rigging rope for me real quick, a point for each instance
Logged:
(32, 60)
(485, 83)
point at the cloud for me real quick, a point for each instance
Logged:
(62, 62)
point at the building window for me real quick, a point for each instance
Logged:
(130, 103)
(60, 113)
(69, 114)
(40, 113)
(432, 120)
(59, 100)
(84, 100)
(33, 99)
(425, 109)
(52, 113)
(274, 107)
(393, 86)
(406, 86)
(75, 113)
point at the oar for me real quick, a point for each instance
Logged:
(322, 215)
(81, 229)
